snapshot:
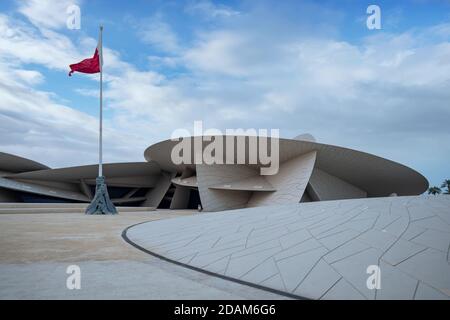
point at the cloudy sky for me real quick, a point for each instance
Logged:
(300, 66)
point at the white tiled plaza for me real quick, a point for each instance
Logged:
(317, 250)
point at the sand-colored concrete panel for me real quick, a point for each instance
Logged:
(16, 164)
(155, 195)
(325, 186)
(180, 198)
(186, 182)
(212, 175)
(290, 182)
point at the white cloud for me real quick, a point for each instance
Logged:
(210, 10)
(30, 77)
(25, 44)
(157, 61)
(156, 32)
(34, 123)
(218, 52)
(46, 13)
(387, 95)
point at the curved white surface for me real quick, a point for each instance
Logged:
(186, 182)
(305, 137)
(15, 164)
(318, 250)
(111, 170)
(377, 176)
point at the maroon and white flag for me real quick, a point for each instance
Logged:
(90, 65)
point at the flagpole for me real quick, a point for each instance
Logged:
(101, 203)
(100, 148)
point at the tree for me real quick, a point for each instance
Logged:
(446, 184)
(434, 190)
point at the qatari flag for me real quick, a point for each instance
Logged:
(90, 65)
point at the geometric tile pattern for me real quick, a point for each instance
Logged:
(318, 250)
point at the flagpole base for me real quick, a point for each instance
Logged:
(101, 204)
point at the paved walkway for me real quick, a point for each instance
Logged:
(36, 249)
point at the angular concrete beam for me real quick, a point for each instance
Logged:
(324, 186)
(290, 182)
(155, 195)
(256, 183)
(51, 191)
(180, 198)
(186, 182)
(212, 175)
